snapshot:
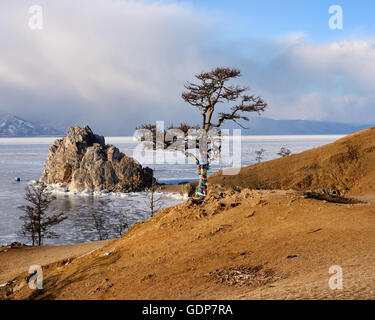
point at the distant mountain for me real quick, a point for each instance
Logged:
(265, 126)
(12, 126)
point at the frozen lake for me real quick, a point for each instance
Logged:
(25, 157)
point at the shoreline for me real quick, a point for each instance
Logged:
(16, 260)
(171, 194)
(60, 189)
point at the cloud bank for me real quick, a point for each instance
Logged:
(117, 64)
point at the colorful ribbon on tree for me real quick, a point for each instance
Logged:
(201, 190)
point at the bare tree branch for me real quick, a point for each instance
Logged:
(212, 90)
(37, 220)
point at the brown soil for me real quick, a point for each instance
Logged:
(15, 260)
(347, 165)
(171, 188)
(241, 243)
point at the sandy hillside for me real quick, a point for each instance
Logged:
(248, 244)
(347, 165)
(241, 243)
(13, 261)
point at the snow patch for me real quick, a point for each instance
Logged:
(59, 189)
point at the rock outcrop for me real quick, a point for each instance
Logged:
(82, 161)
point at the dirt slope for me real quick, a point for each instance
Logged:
(236, 245)
(13, 261)
(347, 165)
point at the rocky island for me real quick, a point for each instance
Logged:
(82, 161)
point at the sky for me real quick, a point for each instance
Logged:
(115, 64)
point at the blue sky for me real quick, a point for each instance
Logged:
(271, 18)
(114, 64)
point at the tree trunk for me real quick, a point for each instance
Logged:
(201, 190)
(39, 227)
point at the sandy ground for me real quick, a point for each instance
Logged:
(171, 188)
(17, 260)
(235, 245)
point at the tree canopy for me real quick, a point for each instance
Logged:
(212, 89)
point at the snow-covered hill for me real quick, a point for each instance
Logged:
(12, 126)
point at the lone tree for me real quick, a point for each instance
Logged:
(154, 200)
(37, 221)
(211, 90)
(122, 223)
(99, 224)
